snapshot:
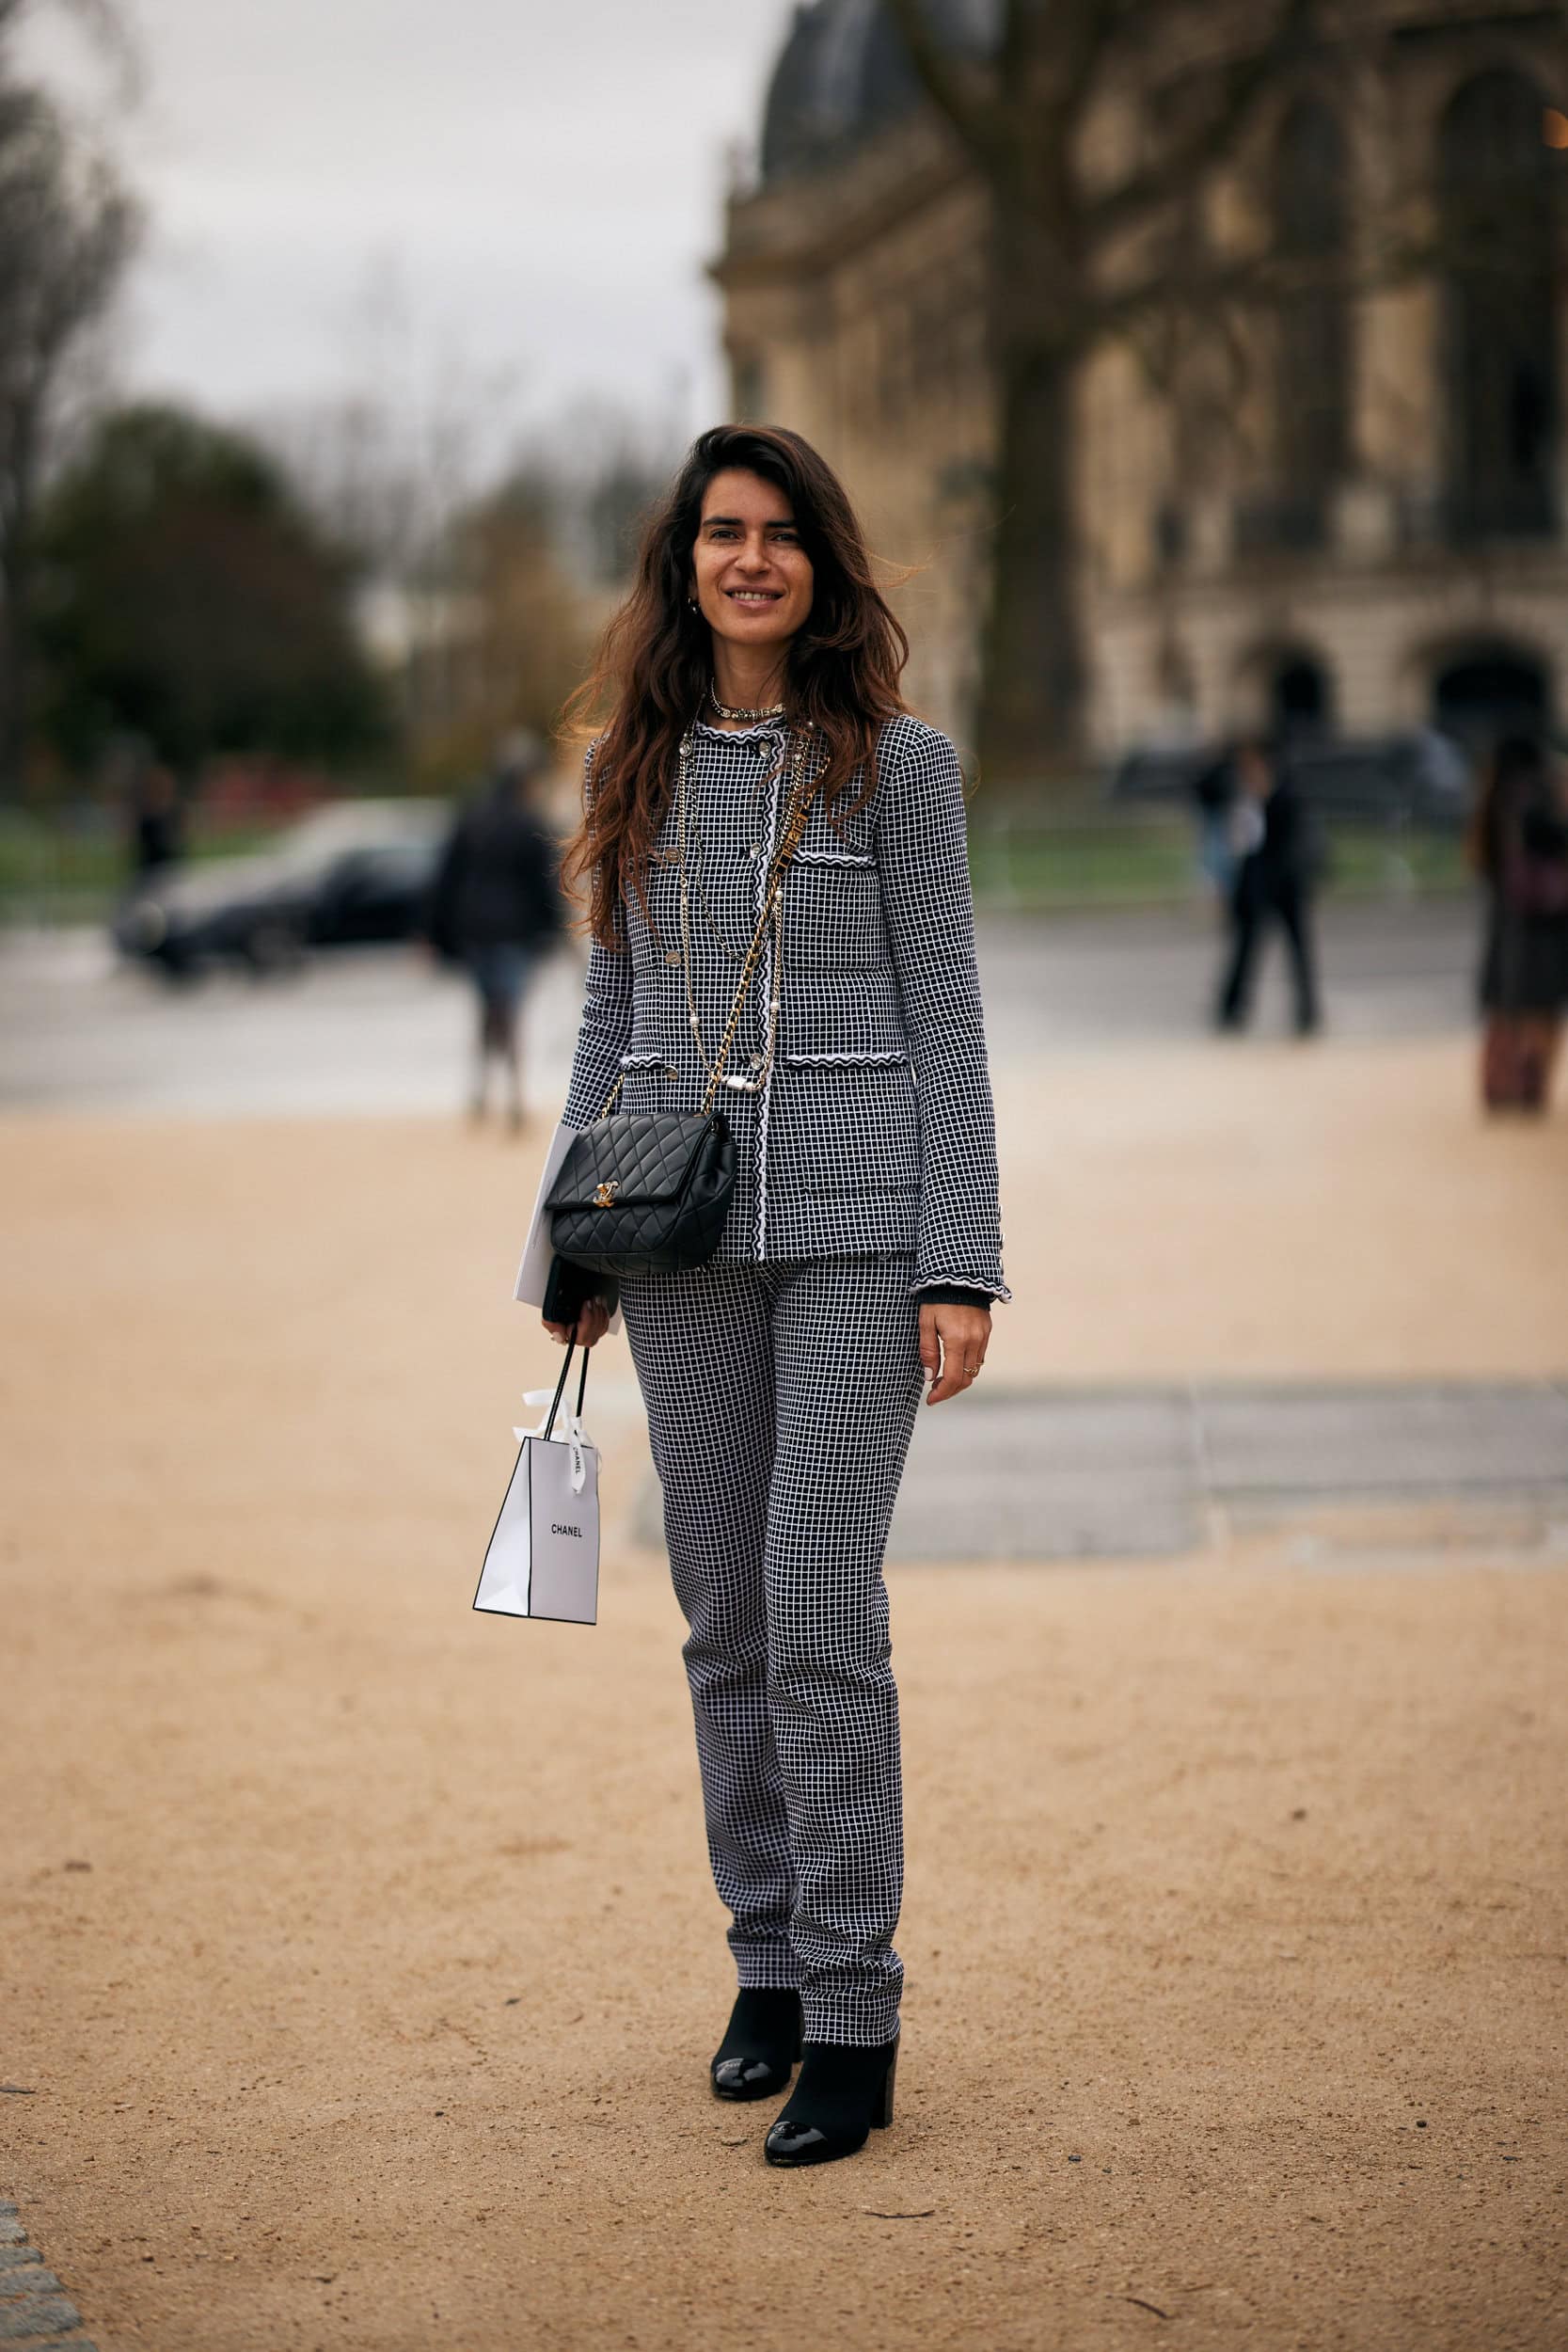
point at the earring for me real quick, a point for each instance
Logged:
(692, 605)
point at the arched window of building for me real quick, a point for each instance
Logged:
(1287, 687)
(1496, 203)
(1488, 688)
(1312, 387)
(1301, 694)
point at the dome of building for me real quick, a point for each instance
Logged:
(844, 73)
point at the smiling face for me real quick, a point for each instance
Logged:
(751, 575)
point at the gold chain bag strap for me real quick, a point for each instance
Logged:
(648, 1193)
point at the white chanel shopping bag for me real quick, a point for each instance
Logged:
(543, 1559)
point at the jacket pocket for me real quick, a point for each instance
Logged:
(845, 1125)
(855, 1012)
(833, 910)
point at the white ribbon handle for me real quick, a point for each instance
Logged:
(568, 1431)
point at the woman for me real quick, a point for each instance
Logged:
(862, 1243)
(1519, 845)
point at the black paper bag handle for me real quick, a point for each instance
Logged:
(560, 1385)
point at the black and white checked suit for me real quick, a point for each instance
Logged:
(781, 1379)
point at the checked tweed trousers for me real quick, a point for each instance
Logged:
(781, 1398)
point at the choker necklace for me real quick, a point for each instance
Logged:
(746, 718)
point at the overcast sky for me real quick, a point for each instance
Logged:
(528, 187)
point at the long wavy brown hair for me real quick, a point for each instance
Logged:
(656, 661)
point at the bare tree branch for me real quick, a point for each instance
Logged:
(964, 91)
(1199, 284)
(1063, 49)
(1225, 101)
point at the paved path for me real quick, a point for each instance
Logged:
(1033, 1475)
(35, 2314)
(382, 1032)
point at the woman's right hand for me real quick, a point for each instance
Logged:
(592, 1325)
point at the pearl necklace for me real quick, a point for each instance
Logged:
(739, 717)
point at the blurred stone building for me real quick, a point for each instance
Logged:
(1361, 527)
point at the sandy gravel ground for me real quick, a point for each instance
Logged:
(378, 2016)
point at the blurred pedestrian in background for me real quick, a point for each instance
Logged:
(495, 905)
(157, 824)
(1519, 846)
(1213, 791)
(1272, 842)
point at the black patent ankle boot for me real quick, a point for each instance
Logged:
(844, 2093)
(757, 2055)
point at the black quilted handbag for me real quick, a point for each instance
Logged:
(648, 1193)
(645, 1195)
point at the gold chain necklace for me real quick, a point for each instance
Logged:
(773, 918)
(697, 861)
(738, 716)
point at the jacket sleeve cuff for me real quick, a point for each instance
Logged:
(939, 1293)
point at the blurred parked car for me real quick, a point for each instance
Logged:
(356, 873)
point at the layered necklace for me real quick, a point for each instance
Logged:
(738, 717)
(794, 820)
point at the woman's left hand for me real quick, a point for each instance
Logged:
(953, 1343)
(589, 1328)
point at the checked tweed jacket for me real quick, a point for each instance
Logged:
(875, 1131)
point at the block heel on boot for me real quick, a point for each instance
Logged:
(843, 2094)
(758, 2055)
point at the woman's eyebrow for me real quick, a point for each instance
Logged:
(737, 522)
